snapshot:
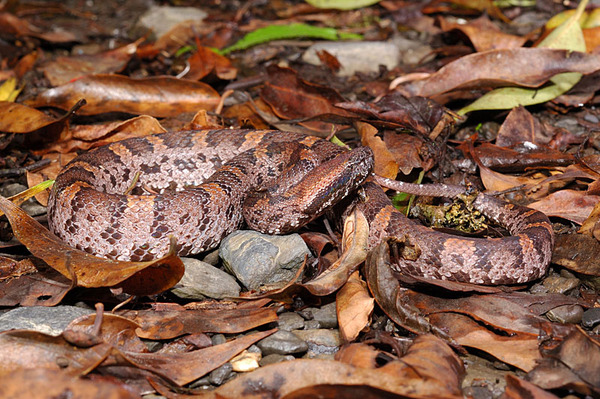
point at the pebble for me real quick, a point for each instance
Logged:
(44, 319)
(311, 325)
(203, 280)
(259, 259)
(282, 343)
(591, 317)
(289, 321)
(245, 361)
(322, 343)
(275, 358)
(326, 315)
(218, 339)
(220, 374)
(566, 314)
(160, 19)
(560, 285)
(365, 57)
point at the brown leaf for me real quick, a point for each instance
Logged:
(406, 150)
(20, 27)
(415, 113)
(429, 369)
(574, 365)
(354, 307)
(517, 388)
(63, 70)
(484, 35)
(21, 349)
(156, 96)
(385, 163)
(84, 137)
(293, 98)
(17, 118)
(183, 368)
(142, 278)
(39, 286)
(518, 127)
(572, 205)
(205, 61)
(156, 324)
(519, 350)
(43, 383)
(577, 252)
(354, 244)
(528, 67)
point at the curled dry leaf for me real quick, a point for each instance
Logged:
(156, 96)
(517, 388)
(18, 118)
(528, 67)
(385, 163)
(84, 137)
(155, 324)
(573, 365)
(518, 127)
(21, 349)
(183, 368)
(292, 98)
(429, 369)
(205, 61)
(355, 238)
(354, 307)
(20, 27)
(139, 278)
(62, 70)
(484, 34)
(418, 114)
(58, 161)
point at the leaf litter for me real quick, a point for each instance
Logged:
(401, 336)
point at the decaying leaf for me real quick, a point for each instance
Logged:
(157, 96)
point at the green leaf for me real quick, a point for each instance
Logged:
(567, 36)
(341, 4)
(292, 31)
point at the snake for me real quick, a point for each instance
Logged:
(126, 199)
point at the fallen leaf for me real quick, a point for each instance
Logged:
(43, 383)
(577, 252)
(483, 34)
(142, 278)
(292, 98)
(354, 307)
(572, 205)
(18, 118)
(385, 163)
(156, 96)
(161, 325)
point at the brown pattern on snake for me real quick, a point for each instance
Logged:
(203, 183)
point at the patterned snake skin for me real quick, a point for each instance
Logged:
(199, 185)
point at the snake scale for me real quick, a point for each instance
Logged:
(125, 199)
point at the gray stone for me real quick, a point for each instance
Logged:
(282, 343)
(275, 358)
(566, 314)
(259, 259)
(289, 321)
(326, 315)
(220, 374)
(311, 325)
(320, 342)
(218, 339)
(560, 285)
(40, 318)
(203, 280)
(160, 19)
(365, 57)
(591, 317)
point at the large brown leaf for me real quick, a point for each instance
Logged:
(142, 278)
(528, 67)
(157, 96)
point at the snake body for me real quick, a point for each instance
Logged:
(200, 185)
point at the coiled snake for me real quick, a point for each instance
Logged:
(199, 185)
